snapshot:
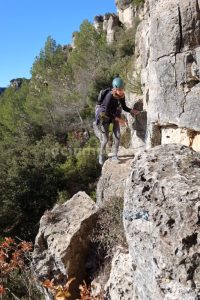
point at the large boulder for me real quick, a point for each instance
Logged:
(62, 246)
(112, 181)
(162, 223)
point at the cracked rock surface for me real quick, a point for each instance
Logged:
(120, 285)
(169, 48)
(162, 223)
(62, 244)
(112, 181)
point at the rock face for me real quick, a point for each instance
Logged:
(120, 285)
(137, 124)
(112, 181)
(169, 53)
(162, 222)
(128, 11)
(109, 23)
(62, 246)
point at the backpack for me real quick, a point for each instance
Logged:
(98, 109)
(102, 95)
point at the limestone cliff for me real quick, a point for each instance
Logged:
(108, 23)
(168, 55)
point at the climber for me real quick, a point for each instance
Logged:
(109, 111)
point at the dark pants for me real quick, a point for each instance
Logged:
(105, 136)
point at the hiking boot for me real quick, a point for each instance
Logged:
(115, 159)
(101, 159)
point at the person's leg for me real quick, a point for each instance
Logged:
(96, 130)
(116, 132)
(103, 141)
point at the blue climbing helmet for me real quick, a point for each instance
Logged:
(118, 83)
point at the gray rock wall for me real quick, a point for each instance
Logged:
(112, 181)
(169, 49)
(120, 285)
(162, 219)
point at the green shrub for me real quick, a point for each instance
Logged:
(81, 169)
(23, 285)
(29, 184)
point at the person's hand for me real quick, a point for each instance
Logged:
(134, 112)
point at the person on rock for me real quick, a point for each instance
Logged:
(109, 111)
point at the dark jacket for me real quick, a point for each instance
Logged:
(111, 106)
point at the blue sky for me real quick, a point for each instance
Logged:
(26, 24)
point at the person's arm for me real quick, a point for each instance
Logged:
(127, 109)
(124, 107)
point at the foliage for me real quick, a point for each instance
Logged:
(61, 292)
(125, 42)
(51, 102)
(91, 50)
(15, 271)
(138, 2)
(65, 82)
(90, 57)
(81, 168)
(118, 61)
(29, 184)
(12, 114)
(51, 64)
(14, 261)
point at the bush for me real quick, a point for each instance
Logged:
(81, 169)
(29, 184)
(17, 282)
